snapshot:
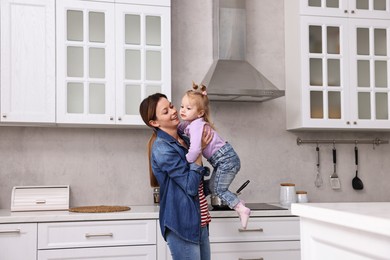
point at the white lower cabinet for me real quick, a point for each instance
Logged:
(133, 239)
(18, 241)
(270, 238)
(266, 238)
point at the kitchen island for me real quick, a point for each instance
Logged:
(358, 231)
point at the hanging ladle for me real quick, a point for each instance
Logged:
(318, 181)
(357, 183)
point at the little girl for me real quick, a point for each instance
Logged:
(195, 113)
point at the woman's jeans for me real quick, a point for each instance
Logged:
(226, 164)
(184, 250)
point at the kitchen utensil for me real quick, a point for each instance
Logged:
(357, 183)
(334, 178)
(318, 181)
(242, 187)
(218, 203)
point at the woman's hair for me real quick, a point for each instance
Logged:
(148, 106)
(147, 110)
(199, 95)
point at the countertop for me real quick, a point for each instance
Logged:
(366, 216)
(135, 212)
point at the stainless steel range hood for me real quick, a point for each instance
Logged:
(231, 77)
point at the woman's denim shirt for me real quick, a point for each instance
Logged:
(179, 182)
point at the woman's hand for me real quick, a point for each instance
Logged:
(207, 136)
(199, 160)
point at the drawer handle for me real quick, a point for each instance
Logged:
(251, 258)
(13, 231)
(250, 230)
(88, 235)
(40, 202)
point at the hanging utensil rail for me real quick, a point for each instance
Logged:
(374, 142)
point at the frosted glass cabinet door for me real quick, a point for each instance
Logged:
(377, 9)
(86, 62)
(143, 51)
(27, 61)
(370, 72)
(325, 89)
(324, 7)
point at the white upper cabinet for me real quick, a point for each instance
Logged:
(85, 62)
(377, 9)
(143, 57)
(109, 57)
(337, 72)
(27, 61)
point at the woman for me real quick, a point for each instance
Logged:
(184, 215)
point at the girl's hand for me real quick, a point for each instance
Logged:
(207, 136)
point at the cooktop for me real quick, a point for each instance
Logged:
(252, 206)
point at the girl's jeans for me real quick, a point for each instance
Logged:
(226, 164)
(184, 250)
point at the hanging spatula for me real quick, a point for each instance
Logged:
(334, 178)
(357, 183)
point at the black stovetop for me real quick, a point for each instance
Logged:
(252, 206)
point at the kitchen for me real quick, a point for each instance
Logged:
(109, 165)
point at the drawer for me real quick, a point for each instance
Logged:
(256, 250)
(258, 229)
(120, 252)
(96, 233)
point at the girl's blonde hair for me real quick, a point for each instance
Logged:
(198, 95)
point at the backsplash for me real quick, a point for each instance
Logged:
(109, 166)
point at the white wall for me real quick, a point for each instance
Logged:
(109, 166)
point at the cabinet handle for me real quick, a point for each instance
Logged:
(251, 258)
(4, 116)
(345, 11)
(111, 118)
(88, 235)
(120, 118)
(353, 11)
(250, 230)
(40, 202)
(354, 122)
(13, 231)
(348, 122)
